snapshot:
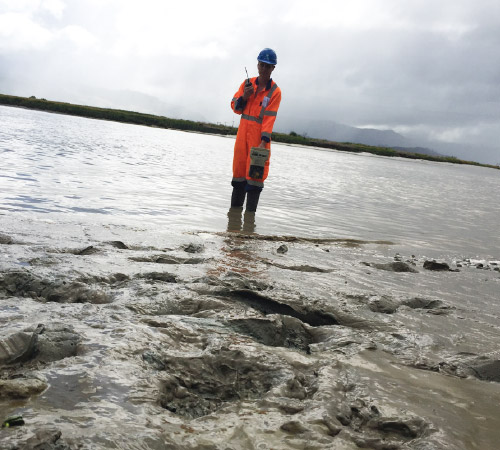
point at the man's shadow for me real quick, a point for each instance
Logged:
(240, 222)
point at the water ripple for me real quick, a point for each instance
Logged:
(73, 165)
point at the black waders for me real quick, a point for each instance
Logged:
(238, 195)
(252, 200)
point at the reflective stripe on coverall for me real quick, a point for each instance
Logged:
(257, 121)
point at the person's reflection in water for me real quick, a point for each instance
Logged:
(239, 259)
(234, 216)
(249, 222)
(239, 222)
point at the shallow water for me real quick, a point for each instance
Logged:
(97, 171)
(295, 333)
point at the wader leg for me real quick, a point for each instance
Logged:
(238, 195)
(252, 200)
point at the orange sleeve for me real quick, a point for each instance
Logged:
(236, 96)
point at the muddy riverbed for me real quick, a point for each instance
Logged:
(118, 337)
(359, 308)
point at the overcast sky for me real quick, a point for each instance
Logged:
(423, 68)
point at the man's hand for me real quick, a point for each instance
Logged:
(262, 144)
(248, 91)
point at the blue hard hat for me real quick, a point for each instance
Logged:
(268, 56)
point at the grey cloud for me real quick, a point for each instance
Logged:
(417, 76)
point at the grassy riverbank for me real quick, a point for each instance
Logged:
(203, 127)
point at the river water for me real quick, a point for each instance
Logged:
(407, 358)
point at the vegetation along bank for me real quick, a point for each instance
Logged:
(137, 118)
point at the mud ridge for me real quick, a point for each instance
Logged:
(281, 331)
(301, 268)
(197, 386)
(267, 305)
(395, 266)
(165, 259)
(25, 284)
(305, 240)
(386, 304)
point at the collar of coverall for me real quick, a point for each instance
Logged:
(268, 86)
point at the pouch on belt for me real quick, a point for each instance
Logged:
(258, 158)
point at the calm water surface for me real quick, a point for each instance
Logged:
(72, 168)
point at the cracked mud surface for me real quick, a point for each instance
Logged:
(222, 341)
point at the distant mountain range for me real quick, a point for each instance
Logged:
(321, 129)
(333, 131)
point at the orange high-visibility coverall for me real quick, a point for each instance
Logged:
(257, 120)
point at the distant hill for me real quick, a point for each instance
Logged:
(334, 131)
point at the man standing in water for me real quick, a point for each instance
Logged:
(257, 101)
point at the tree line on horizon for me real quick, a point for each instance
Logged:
(151, 120)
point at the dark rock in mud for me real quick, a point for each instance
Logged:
(368, 428)
(200, 385)
(5, 240)
(465, 365)
(384, 304)
(280, 331)
(388, 305)
(194, 248)
(21, 388)
(488, 371)
(17, 347)
(25, 284)
(434, 265)
(356, 414)
(396, 266)
(20, 283)
(57, 342)
(90, 250)
(118, 278)
(159, 276)
(282, 249)
(408, 428)
(41, 343)
(423, 303)
(432, 306)
(294, 427)
(119, 245)
(45, 439)
(375, 443)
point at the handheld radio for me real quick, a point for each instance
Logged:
(248, 83)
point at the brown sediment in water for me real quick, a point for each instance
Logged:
(320, 241)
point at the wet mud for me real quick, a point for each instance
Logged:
(235, 341)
